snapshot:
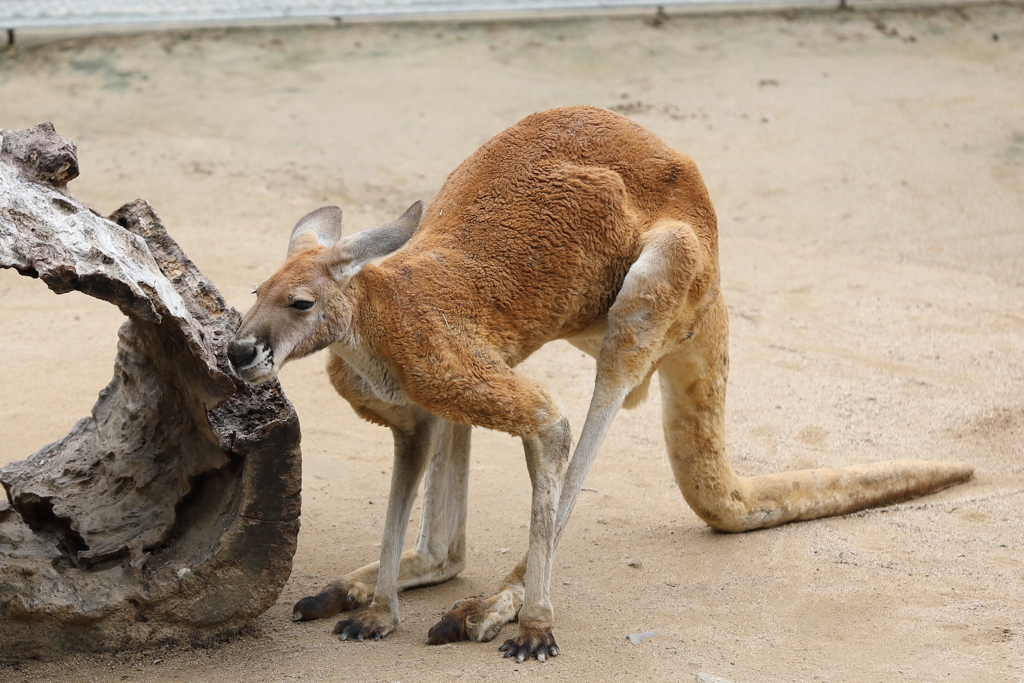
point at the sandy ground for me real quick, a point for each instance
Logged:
(868, 170)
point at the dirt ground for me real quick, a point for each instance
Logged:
(868, 170)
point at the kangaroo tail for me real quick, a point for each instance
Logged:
(693, 406)
(773, 499)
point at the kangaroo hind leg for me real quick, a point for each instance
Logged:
(660, 296)
(640, 326)
(504, 400)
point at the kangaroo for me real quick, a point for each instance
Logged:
(576, 224)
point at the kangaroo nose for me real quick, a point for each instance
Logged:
(242, 353)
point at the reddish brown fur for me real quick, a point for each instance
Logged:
(575, 223)
(538, 189)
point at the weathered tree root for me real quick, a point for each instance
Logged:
(170, 514)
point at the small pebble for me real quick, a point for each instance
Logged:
(637, 564)
(710, 678)
(637, 638)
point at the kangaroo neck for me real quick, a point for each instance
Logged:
(360, 345)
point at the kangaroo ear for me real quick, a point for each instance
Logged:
(352, 252)
(322, 227)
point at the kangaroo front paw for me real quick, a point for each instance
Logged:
(475, 619)
(367, 624)
(535, 642)
(337, 597)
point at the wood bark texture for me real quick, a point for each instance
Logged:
(170, 514)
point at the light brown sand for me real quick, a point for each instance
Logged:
(868, 170)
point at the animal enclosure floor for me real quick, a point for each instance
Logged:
(868, 172)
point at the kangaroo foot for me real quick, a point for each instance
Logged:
(476, 618)
(531, 641)
(339, 596)
(370, 623)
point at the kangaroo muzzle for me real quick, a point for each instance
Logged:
(251, 360)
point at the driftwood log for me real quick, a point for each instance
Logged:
(170, 514)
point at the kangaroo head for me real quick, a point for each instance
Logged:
(303, 307)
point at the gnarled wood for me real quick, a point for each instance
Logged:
(171, 512)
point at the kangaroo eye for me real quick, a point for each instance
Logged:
(302, 305)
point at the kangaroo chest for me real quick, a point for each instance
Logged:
(377, 374)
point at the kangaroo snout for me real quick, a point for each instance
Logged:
(251, 360)
(241, 353)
